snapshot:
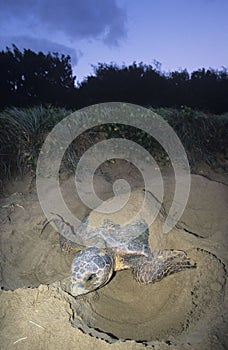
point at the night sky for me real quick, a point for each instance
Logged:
(178, 33)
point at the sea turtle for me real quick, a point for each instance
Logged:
(104, 244)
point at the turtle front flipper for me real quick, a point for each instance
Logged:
(162, 263)
(68, 240)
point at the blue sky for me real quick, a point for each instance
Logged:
(178, 33)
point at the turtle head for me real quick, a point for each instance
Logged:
(91, 269)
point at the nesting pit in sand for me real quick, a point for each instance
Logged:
(186, 310)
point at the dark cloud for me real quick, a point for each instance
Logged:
(74, 19)
(37, 45)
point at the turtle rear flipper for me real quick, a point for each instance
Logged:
(162, 264)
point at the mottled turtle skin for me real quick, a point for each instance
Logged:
(110, 247)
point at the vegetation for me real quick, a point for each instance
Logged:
(42, 90)
(22, 132)
(29, 79)
(203, 136)
(205, 90)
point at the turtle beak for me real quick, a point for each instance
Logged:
(77, 289)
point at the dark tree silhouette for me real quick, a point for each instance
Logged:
(145, 85)
(31, 78)
(136, 84)
(209, 90)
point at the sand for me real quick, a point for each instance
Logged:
(187, 310)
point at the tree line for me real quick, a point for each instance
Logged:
(29, 78)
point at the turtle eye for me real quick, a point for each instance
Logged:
(90, 278)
